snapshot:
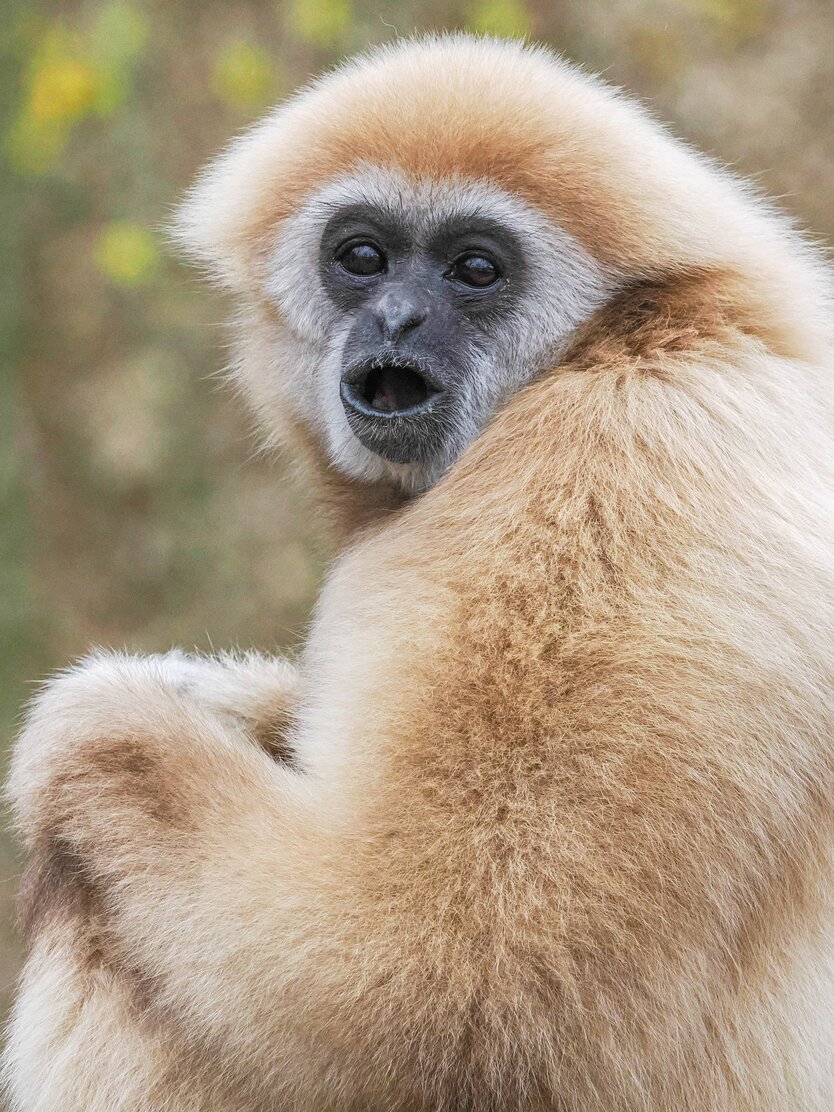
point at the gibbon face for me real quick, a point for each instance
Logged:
(420, 305)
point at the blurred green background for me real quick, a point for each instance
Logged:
(133, 510)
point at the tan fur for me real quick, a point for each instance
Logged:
(557, 833)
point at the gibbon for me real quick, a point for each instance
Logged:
(543, 819)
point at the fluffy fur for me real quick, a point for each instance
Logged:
(551, 826)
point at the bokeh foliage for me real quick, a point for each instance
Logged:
(133, 510)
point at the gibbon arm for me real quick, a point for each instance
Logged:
(131, 774)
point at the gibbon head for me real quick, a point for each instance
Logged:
(420, 233)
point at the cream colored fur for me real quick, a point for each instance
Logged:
(545, 818)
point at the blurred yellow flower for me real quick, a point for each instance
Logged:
(127, 254)
(62, 89)
(243, 76)
(507, 18)
(320, 22)
(71, 76)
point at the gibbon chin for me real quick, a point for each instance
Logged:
(543, 819)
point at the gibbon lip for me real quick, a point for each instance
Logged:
(385, 389)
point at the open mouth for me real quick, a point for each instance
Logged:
(387, 389)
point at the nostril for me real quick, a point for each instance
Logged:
(396, 320)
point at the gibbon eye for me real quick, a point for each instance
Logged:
(364, 259)
(475, 270)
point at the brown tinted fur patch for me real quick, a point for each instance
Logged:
(53, 888)
(271, 732)
(130, 769)
(57, 888)
(669, 316)
(57, 894)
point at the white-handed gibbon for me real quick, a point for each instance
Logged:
(544, 817)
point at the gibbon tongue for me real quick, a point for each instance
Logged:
(393, 388)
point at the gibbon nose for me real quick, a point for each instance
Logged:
(397, 314)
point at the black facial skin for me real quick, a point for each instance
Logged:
(421, 313)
